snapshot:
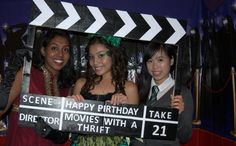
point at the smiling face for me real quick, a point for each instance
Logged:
(100, 60)
(158, 66)
(56, 54)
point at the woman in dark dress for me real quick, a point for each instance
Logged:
(105, 80)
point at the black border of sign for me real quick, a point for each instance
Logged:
(31, 37)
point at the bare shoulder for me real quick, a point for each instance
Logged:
(130, 85)
(78, 85)
(131, 91)
(18, 77)
(81, 81)
(20, 71)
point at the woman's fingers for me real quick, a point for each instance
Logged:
(78, 97)
(118, 99)
(178, 103)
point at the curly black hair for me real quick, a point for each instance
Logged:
(119, 66)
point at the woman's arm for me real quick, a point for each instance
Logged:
(15, 90)
(131, 96)
(185, 118)
(131, 91)
(78, 86)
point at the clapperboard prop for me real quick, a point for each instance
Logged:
(90, 19)
(96, 117)
(144, 122)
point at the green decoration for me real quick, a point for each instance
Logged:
(112, 40)
(115, 41)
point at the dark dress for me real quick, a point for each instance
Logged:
(24, 136)
(89, 96)
(91, 140)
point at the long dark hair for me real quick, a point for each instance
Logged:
(144, 79)
(119, 69)
(67, 75)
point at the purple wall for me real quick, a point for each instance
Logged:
(18, 11)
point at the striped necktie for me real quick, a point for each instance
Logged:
(155, 90)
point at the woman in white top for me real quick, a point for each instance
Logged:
(158, 63)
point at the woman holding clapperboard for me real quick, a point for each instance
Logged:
(156, 87)
(51, 75)
(106, 80)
